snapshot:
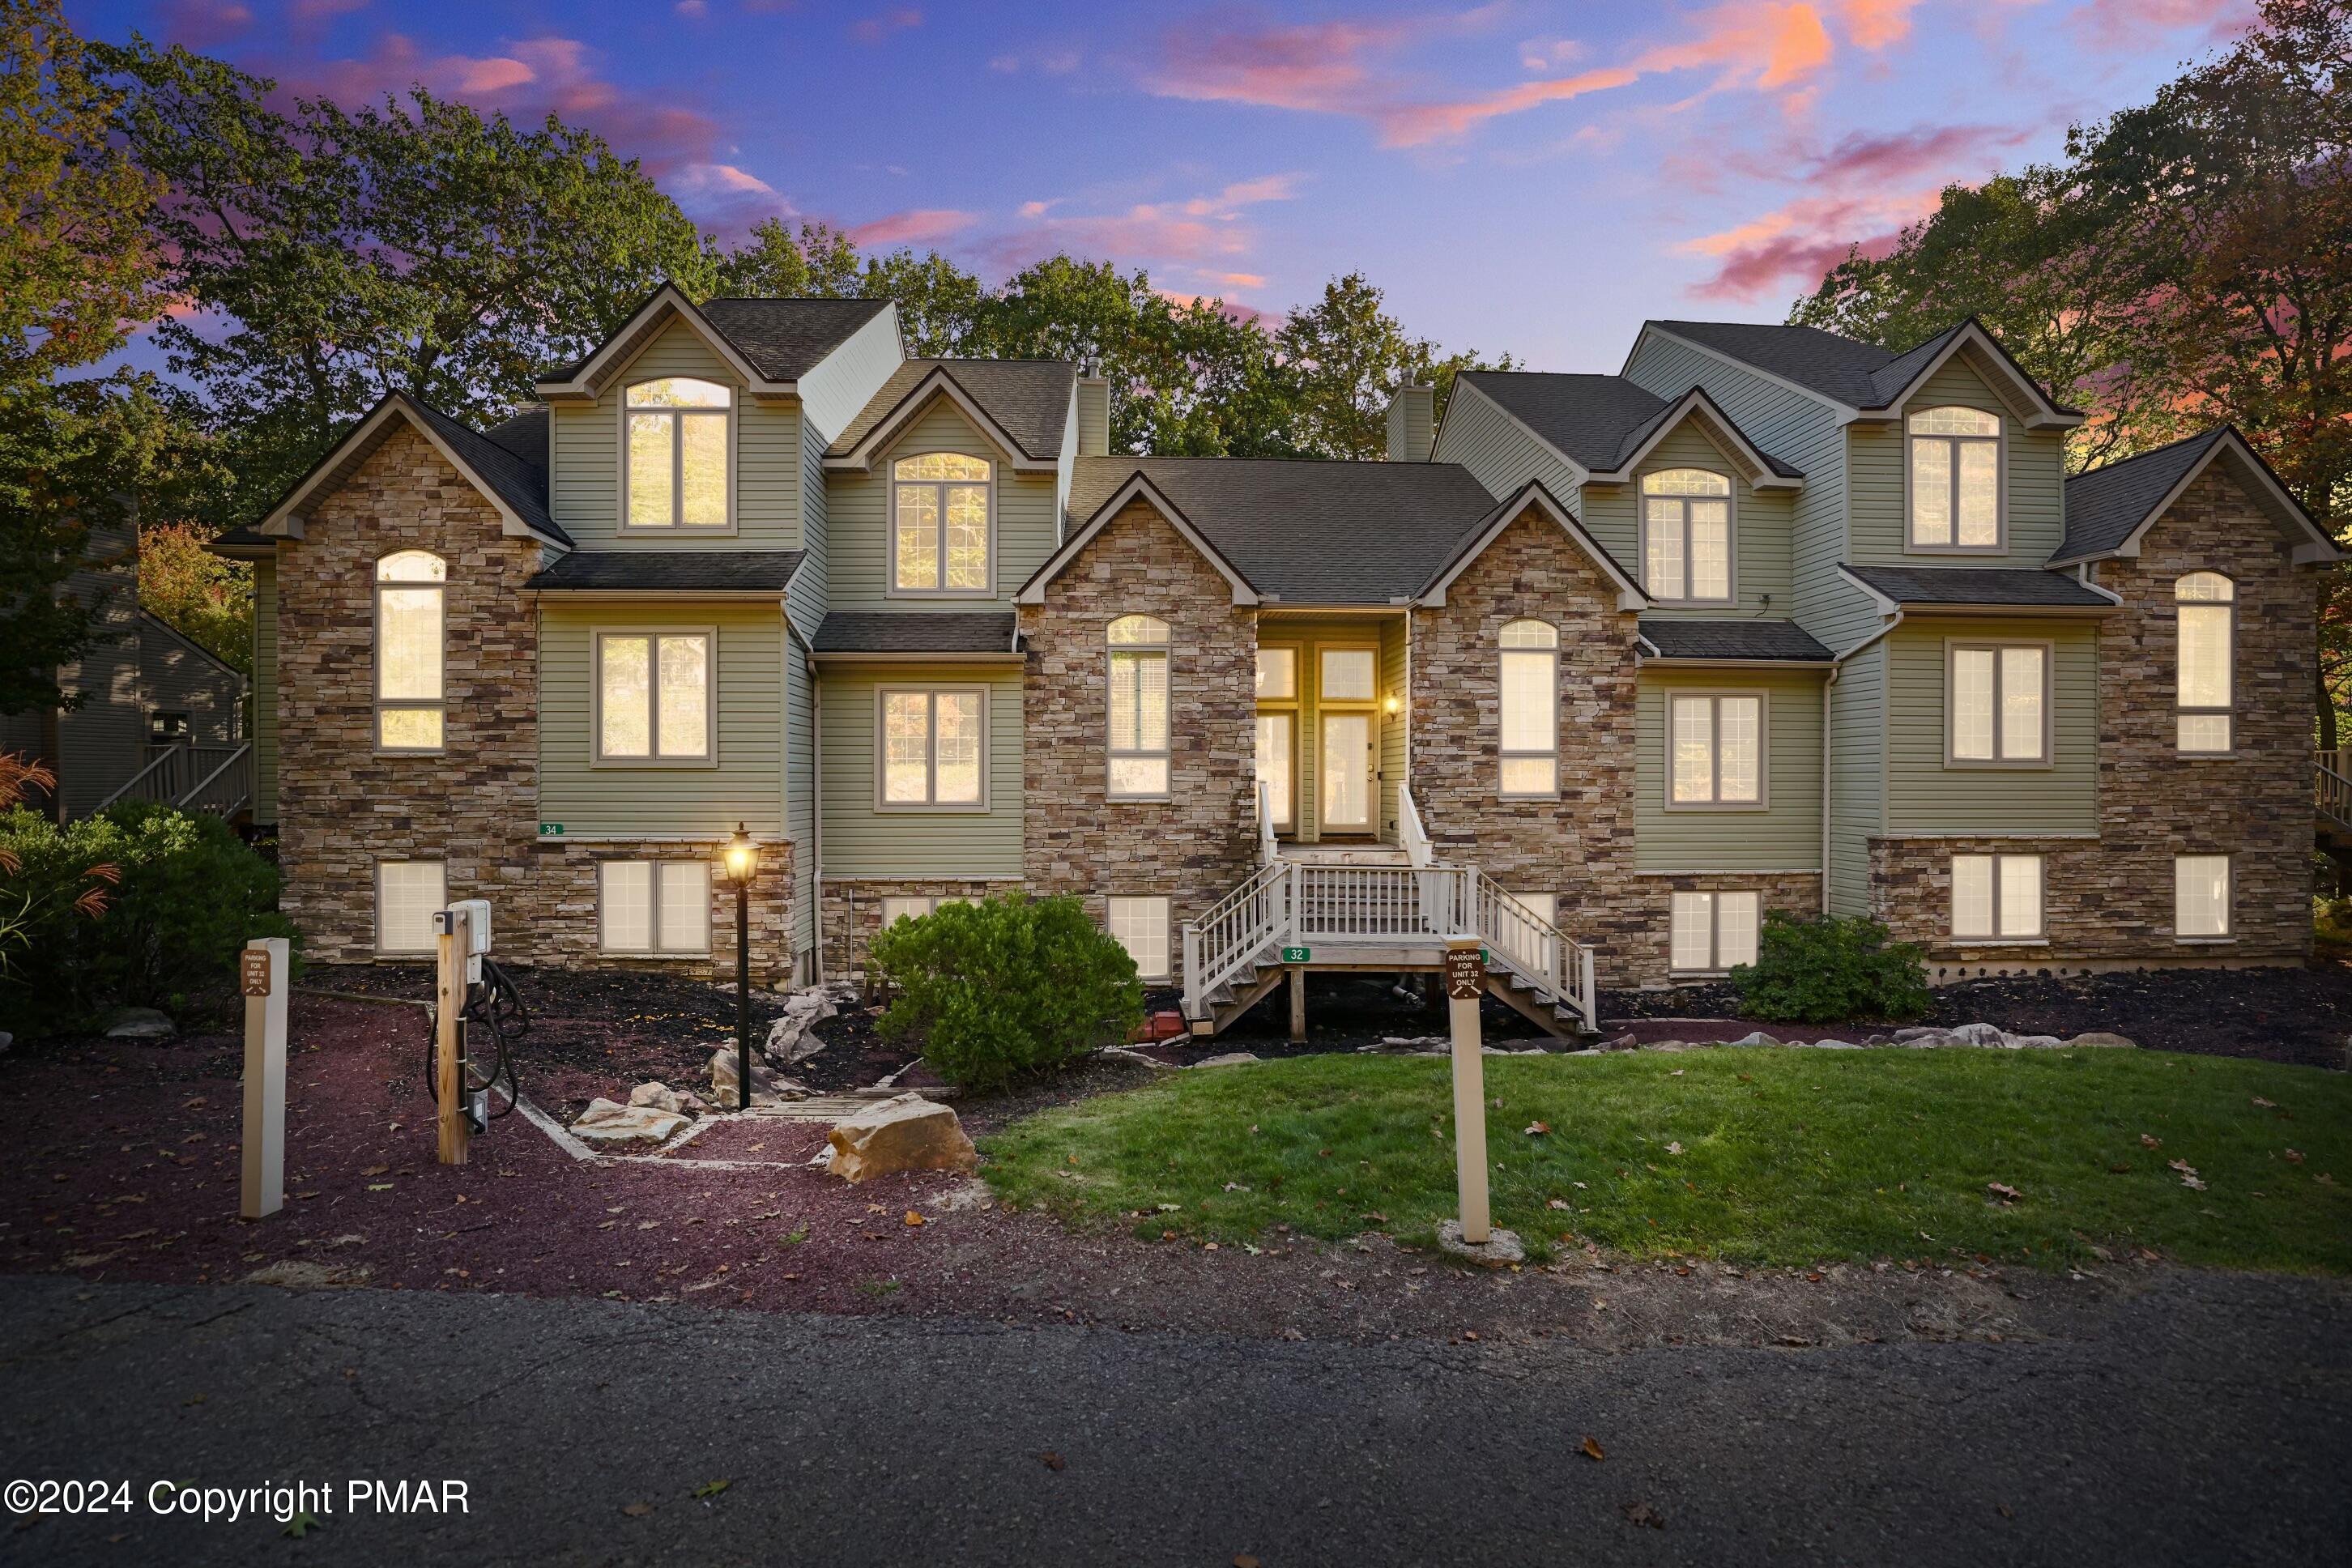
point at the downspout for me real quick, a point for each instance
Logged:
(1837, 667)
(816, 814)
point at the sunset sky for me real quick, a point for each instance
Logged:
(1525, 176)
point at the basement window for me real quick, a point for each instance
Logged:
(1710, 933)
(1996, 897)
(1141, 927)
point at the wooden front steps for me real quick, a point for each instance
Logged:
(1228, 1002)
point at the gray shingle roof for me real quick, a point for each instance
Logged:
(1029, 397)
(522, 485)
(1306, 531)
(2105, 505)
(241, 539)
(1731, 639)
(670, 571)
(2022, 586)
(783, 339)
(1831, 366)
(914, 631)
(1598, 420)
(524, 435)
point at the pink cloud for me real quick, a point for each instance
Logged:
(1795, 244)
(202, 23)
(1876, 23)
(724, 179)
(2125, 23)
(1238, 279)
(923, 226)
(874, 30)
(1317, 66)
(1207, 228)
(1869, 158)
(326, 10)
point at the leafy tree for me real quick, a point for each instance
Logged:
(205, 598)
(1346, 356)
(938, 301)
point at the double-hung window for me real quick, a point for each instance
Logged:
(1712, 932)
(1530, 710)
(940, 525)
(2206, 693)
(1139, 708)
(906, 907)
(2201, 897)
(1955, 473)
(679, 431)
(653, 697)
(1687, 536)
(933, 745)
(1715, 750)
(654, 906)
(1998, 705)
(1140, 925)
(1996, 897)
(410, 586)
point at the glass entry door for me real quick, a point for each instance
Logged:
(1277, 743)
(1347, 768)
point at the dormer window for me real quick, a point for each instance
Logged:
(679, 438)
(1687, 536)
(1955, 457)
(941, 529)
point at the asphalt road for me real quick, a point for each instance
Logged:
(2211, 1424)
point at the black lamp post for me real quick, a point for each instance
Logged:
(742, 858)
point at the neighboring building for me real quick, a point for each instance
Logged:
(160, 719)
(1600, 669)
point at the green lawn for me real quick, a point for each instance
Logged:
(1751, 1156)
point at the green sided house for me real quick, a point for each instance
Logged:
(1598, 669)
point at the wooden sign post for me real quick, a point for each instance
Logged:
(1465, 982)
(261, 975)
(451, 947)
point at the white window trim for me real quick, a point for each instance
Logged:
(931, 903)
(890, 466)
(655, 918)
(1112, 755)
(1714, 697)
(375, 648)
(2228, 931)
(1999, 438)
(1551, 752)
(1997, 762)
(1642, 499)
(2040, 937)
(2179, 712)
(596, 754)
(1715, 968)
(377, 874)
(677, 470)
(928, 807)
(1167, 931)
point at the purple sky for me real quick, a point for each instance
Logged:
(1525, 176)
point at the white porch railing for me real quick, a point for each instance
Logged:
(1235, 935)
(1554, 963)
(1412, 836)
(1267, 850)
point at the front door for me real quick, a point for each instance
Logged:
(1346, 773)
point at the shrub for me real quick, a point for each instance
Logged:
(187, 897)
(999, 990)
(1831, 971)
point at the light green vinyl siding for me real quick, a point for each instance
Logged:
(2034, 479)
(860, 841)
(1306, 635)
(857, 517)
(1761, 525)
(1395, 666)
(1857, 777)
(1784, 837)
(1500, 453)
(747, 784)
(1923, 795)
(767, 476)
(265, 692)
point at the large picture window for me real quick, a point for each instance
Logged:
(1687, 535)
(1716, 750)
(1996, 897)
(1999, 704)
(933, 750)
(1530, 710)
(653, 697)
(410, 617)
(655, 907)
(2206, 692)
(1139, 708)
(940, 524)
(679, 430)
(1955, 457)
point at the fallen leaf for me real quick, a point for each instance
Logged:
(1053, 1461)
(375, 1170)
(2120, 1167)
(2192, 1182)
(1556, 1203)
(1674, 1148)
(636, 1509)
(1592, 1450)
(712, 1489)
(1538, 1129)
(2003, 1191)
(2294, 1156)
(2266, 1104)
(914, 1218)
(301, 1524)
(2149, 1142)
(2325, 1179)
(2183, 1166)
(1244, 1560)
(1676, 1073)
(378, 1186)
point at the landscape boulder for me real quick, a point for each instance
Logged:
(607, 1122)
(139, 1024)
(1979, 1035)
(904, 1133)
(2099, 1038)
(793, 1037)
(656, 1094)
(768, 1085)
(1229, 1059)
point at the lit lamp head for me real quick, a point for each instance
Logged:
(741, 856)
(1393, 704)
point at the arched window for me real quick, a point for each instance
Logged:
(1955, 457)
(1139, 708)
(1687, 535)
(1530, 710)
(677, 454)
(940, 527)
(409, 585)
(2206, 693)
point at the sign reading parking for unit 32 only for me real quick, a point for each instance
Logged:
(1465, 973)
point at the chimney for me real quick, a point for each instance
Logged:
(1412, 423)
(1094, 417)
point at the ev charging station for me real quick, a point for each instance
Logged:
(470, 989)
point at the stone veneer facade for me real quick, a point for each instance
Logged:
(1578, 847)
(852, 912)
(566, 902)
(1646, 955)
(2112, 901)
(1194, 848)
